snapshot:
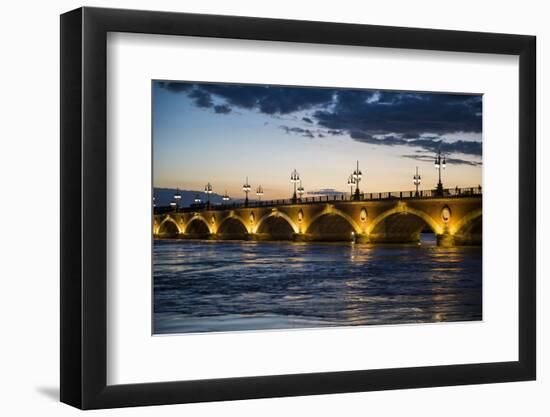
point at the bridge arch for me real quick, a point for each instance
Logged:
(276, 225)
(332, 224)
(467, 221)
(333, 211)
(168, 227)
(261, 222)
(429, 220)
(469, 229)
(401, 224)
(198, 227)
(232, 227)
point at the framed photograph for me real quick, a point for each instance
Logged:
(257, 208)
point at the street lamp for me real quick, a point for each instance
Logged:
(351, 183)
(225, 196)
(416, 181)
(300, 190)
(246, 189)
(197, 199)
(208, 191)
(259, 192)
(177, 198)
(357, 175)
(439, 165)
(294, 178)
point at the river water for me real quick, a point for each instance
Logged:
(206, 286)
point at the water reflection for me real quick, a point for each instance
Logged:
(223, 286)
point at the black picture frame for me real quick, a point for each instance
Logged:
(84, 207)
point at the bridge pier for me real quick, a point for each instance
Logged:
(230, 236)
(298, 237)
(445, 240)
(193, 236)
(327, 237)
(167, 236)
(362, 238)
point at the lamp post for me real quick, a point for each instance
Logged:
(177, 198)
(294, 178)
(301, 191)
(259, 192)
(416, 181)
(197, 199)
(225, 197)
(208, 191)
(351, 183)
(357, 175)
(246, 189)
(439, 165)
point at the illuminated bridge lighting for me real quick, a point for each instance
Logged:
(246, 189)
(416, 181)
(259, 192)
(300, 190)
(439, 165)
(294, 179)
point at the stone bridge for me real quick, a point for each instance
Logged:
(454, 219)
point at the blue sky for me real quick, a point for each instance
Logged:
(221, 133)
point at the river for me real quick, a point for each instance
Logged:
(210, 286)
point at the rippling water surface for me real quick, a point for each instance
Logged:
(203, 286)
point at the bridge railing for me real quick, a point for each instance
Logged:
(391, 195)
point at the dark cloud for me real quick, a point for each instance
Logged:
(201, 98)
(465, 147)
(405, 114)
(268, 99)
(298, 130)
(451, 161)
(175, 87)
(432, 145)
(222, 109)
(418, 120)
(325, 191)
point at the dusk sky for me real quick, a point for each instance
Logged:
(221, 133)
